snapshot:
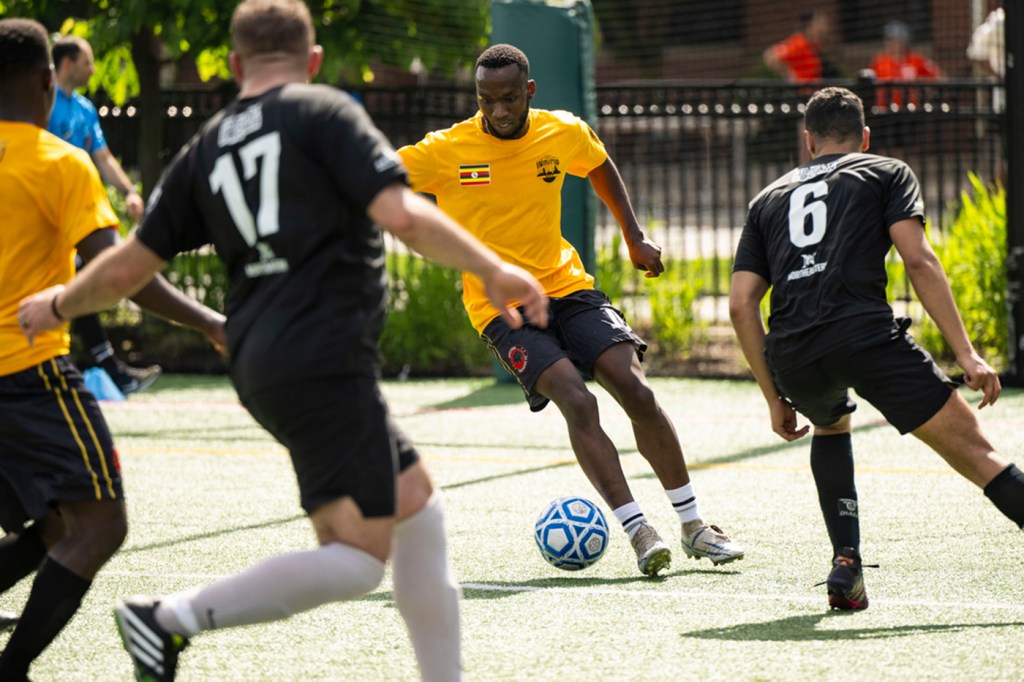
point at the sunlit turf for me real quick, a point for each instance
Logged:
(209, 494)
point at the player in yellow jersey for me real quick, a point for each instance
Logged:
(61, 501)
(501, 173)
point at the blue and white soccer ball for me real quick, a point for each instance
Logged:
(571, 533)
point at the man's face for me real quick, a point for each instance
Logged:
(504, 97)
(82, 68)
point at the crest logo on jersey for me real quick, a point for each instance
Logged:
(808, 259)
(517, 358)
(547, 168)
(473, 174)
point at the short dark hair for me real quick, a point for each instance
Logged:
(67, 47)
(266, 26)
(835, 114)
(23, 47)
(502, 55)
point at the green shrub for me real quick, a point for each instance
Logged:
(673, 297)
(428, 332)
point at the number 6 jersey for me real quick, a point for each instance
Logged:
(279, 184)
(819, 235)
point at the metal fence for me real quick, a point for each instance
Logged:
(693, 154)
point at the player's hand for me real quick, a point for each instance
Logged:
(784, 420)
(216, 334)
(134, 205)
(980, 376)
(646, 255)
(35, 313)
(510, 284)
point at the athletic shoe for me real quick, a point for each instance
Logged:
(711, 542)
(135, 379)
(154, 651)
(846, 582)
(8, 620)
(652, 555)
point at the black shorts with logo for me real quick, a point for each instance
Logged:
(895, 375)
(581, 326)
(341, 438)
(54, 443)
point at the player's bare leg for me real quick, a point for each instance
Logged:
(619, 371)
(599, 459)
(955, 434)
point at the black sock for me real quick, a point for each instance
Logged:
(55, 597)
(20, 556)
(94, 337)
(1006, 491)
(832, 466)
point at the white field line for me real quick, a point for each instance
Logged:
(661, 595)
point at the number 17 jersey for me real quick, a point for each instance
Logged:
(820, 235)
(280, 184)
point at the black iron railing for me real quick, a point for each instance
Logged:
(692, 154)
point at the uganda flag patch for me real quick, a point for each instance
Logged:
(475, 174)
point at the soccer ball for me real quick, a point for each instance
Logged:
(571, 533)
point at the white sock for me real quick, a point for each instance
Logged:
(275, 589)
(631, 518)
(426, 592)
(684, 502)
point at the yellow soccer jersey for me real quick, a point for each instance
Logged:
(51, 198)
(509, 194)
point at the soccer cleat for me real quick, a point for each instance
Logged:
(846, 583)
(711, 542)
(135, 379)
(652, 555)
(8, 620)
(154, 651)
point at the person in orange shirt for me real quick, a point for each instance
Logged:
(897, 62)
(799, 57)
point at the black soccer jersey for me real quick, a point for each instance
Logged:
(279, 184)
(819, 235)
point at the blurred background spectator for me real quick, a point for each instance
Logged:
(898, 62)
(800, 57)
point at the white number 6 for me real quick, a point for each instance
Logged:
(799, 210)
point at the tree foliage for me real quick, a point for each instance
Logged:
(356, 34)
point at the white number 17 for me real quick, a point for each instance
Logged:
(224, 179)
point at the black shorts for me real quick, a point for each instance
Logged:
(897, 376)
(581, 326)
(54, 443)
(341, 438)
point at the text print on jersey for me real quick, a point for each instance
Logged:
(261, 155)
(800, 209)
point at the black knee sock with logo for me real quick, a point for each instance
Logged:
(832, 466)
(1006, 491)
(55, 597)
(19, 556)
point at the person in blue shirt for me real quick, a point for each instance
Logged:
(74, 120)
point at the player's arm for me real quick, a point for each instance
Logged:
(115, 271)
(607, 182)
(745, 294)
(112, 174)
(426, 229)
(932, 287)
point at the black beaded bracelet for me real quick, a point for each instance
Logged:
(53, 308)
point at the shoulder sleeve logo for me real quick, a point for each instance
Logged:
(475, 174)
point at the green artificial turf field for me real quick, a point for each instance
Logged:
(209, 494)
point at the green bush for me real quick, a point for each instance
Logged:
(428, 332)
(676, 326)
